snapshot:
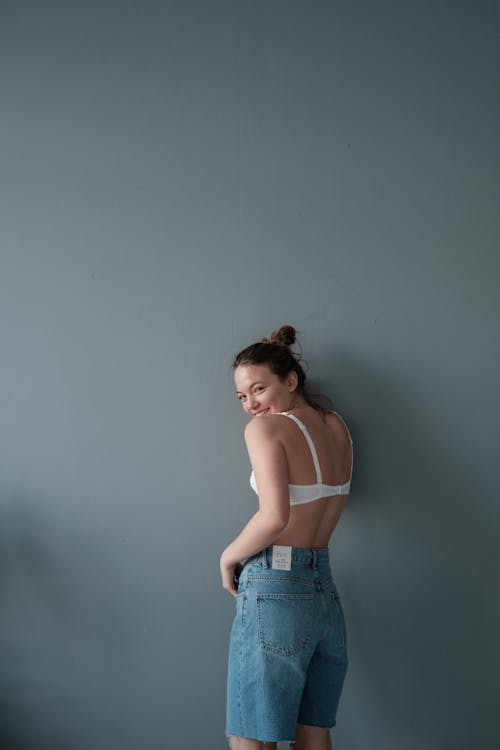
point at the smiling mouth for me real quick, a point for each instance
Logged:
(260, 413)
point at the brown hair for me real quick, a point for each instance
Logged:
(276, 352)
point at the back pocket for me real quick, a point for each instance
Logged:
(285, 622)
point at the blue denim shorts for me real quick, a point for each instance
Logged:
(287, 649)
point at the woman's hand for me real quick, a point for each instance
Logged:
(230, 572)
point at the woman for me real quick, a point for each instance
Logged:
(287, 651)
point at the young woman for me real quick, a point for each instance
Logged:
(287, 650)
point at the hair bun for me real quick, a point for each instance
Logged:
(284, 336)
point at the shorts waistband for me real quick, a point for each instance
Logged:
(312, 556)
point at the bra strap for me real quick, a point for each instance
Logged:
(310, 444)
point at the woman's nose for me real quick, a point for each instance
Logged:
(251, 404)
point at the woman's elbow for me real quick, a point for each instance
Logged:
(275, 521)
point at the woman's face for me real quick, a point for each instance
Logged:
(261, 391)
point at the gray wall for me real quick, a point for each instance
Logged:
(178, 179)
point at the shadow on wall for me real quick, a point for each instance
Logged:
(84, 647)
(10, 734)
(417, 549)
(28, 577)
(8, 739)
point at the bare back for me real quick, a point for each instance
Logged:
(312, 524)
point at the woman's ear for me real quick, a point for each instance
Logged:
(292, 380)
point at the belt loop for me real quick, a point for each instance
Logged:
(315, 559)
(263, 558)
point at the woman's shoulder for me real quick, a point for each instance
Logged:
(268, 425)
(337, 424)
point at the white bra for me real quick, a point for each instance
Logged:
(306, 493)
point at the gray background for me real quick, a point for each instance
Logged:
(178, 179)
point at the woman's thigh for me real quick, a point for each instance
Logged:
(311, 738)
(244, 743)
(306, 738)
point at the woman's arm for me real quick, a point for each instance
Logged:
(268, 460)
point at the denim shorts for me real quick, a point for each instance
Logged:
(287, 648)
